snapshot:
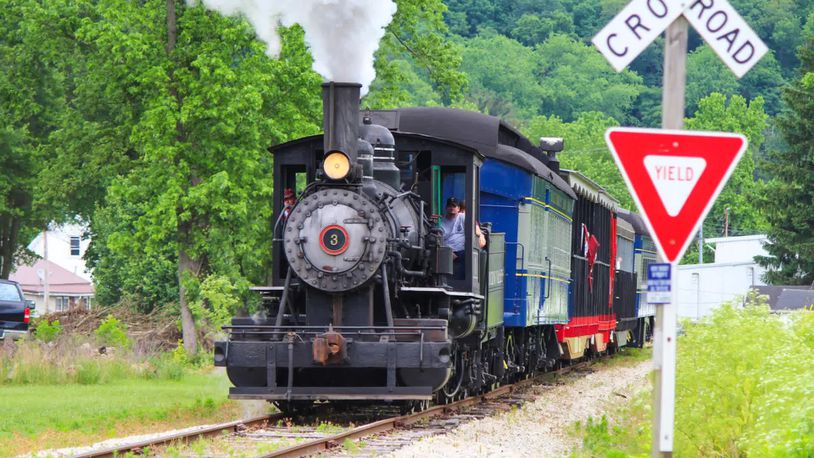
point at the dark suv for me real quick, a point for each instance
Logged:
(15, 311)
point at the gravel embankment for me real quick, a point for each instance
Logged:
(542, 428)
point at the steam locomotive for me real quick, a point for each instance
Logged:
(367, 302)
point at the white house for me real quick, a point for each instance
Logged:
(703, 287)
(66, 247)
(65, 290)
(70, 284)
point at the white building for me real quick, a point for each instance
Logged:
(703, 287)
(70, 284)
(65, 248)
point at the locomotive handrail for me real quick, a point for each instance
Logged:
(548, 280)
(522, 257)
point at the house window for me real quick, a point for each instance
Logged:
(63, 303)
(74, 246)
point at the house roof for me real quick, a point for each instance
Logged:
(737, 238)
(61, 281)
(787, 297)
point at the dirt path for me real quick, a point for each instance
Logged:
(541, 428)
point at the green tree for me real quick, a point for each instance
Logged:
(416, 64)
(204, 102)
(575, 79)
(789, 199)
(585, 149)
(502, 76)
(740, 195)
(738, 204)
(706, 73)
(36, 60)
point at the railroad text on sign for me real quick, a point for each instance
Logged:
(726, 33)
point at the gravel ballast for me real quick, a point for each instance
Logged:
(543, 427)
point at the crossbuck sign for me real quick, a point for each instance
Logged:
(629, 33)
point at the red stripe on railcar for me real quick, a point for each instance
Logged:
(583, 326)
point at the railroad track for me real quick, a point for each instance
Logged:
(457, 408)
(312, 440)
(183, 437)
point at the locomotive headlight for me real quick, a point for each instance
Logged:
(336, 165)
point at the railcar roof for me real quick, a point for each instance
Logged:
(517, 157)
(488, 134)
(590, 189)
(634, 219)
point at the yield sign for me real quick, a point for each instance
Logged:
(674, 176)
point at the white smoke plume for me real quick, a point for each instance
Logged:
(343, 35)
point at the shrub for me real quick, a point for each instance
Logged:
(744, 387)
(48, 332)
(217, 300)
(113, 332)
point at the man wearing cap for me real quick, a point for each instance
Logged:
(453, 226)
(289, 200)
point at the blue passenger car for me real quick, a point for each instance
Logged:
(533, 207)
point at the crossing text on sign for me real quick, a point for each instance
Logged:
(629, 33)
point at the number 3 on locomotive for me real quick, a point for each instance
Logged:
(334, 240)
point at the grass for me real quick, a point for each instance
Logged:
(621, 433)
(629, 355)
(37, 417)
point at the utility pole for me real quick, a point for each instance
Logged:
(701, 243)
(45, 268)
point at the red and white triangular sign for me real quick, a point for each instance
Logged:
(674, 177)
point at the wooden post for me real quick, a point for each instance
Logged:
(664, 336)
(675, 75)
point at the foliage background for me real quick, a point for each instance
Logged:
(154, 131)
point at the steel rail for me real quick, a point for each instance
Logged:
(389, 424)
(183, 437)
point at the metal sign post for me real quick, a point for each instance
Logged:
(664, 367)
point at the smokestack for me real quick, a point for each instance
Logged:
(340, 109)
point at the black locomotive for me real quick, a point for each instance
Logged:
(368, 302)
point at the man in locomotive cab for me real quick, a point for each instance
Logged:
(289, 201)
(453, 225)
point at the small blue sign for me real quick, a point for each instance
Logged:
(659, 283)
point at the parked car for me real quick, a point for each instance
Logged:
(15, 311)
